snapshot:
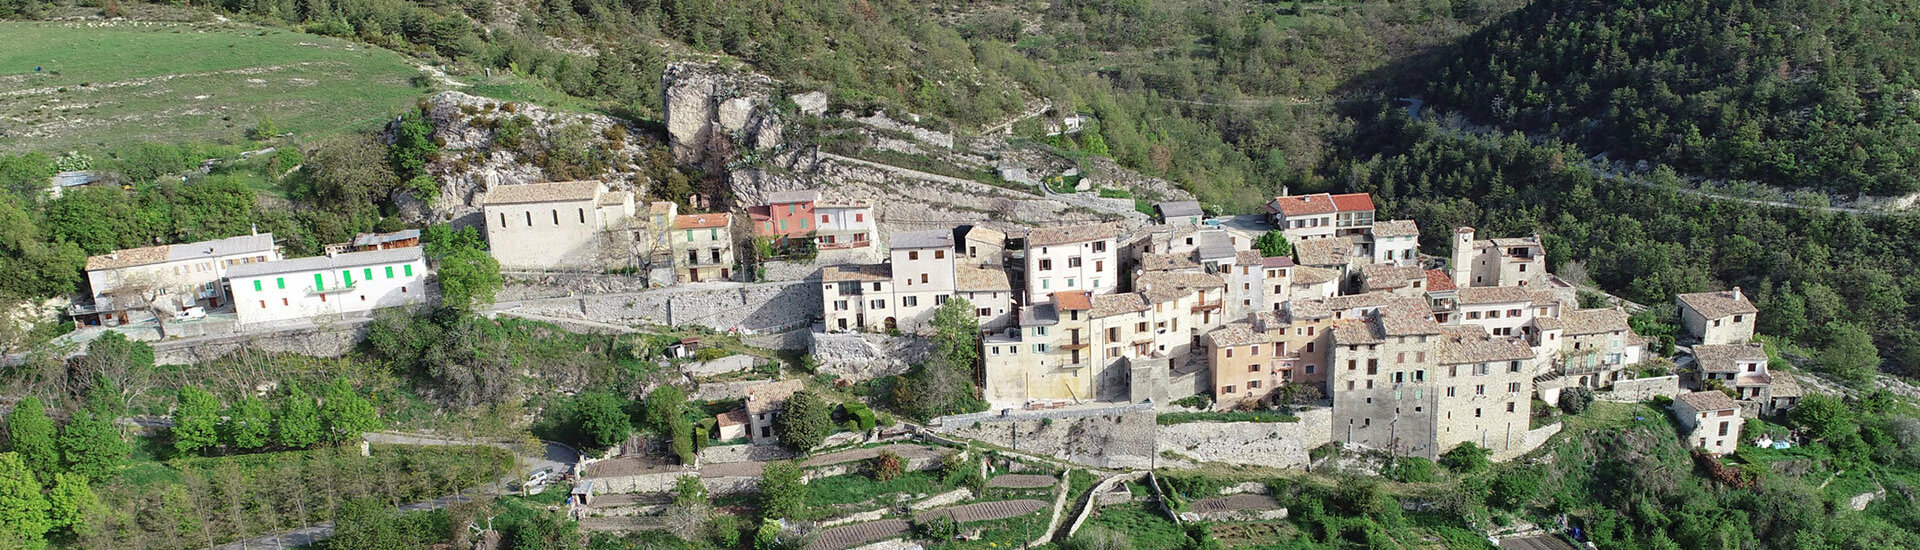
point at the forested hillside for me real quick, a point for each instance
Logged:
(1791, 93)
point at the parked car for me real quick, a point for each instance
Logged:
(540, 477)
(195, 312)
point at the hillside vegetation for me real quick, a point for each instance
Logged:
(1800, 94)
(68, 86)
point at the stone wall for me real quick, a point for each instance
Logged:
(861, 356)
(1276, 444)
(1533, 439)
(923, 135)
(663, 482)
(729, 454)
(1093, 502)
(528, 285)
(1642, 389)
(331, 340)
(720, 306)
(1124, 440)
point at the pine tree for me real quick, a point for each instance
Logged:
(804, 421)
(30, 434)
(93, 448)
(23, 510)
(297, 421)
(247, 426)
(196, 420)
(345, 415)
(71, 504)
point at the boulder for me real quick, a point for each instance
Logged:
(705, 101)
(811, 103)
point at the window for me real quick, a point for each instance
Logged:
(913, 254)
(1420, 376)
(1227, 389)
(368, 272)
(1480, 389)
(1353, 364)
(346, 277)
(825, 219)
(256, 286)
(939, 254)
(1473, 315)
(1373, 366)
(1046, 264)
(1073, 262)
(1495, 314)
(859, 217)
(1253, 368)
(263, 304)
(910, 301)
(1401, 357)
(1449, 391)
(1369, 383)
(1255, 384)
(319, 282)
(1254, 349)
(713, 234)
(529, 218)
(1099, 246)
(1723, 428)
(1039, 348)
(1513, 313)
(1309, 344)
(1039, 331)
(841, 305)
(923, 278)
(556, 216)
(1476, 412)
(1229, 353)
(1513, 387)
(1310, 369)
(1510, 405)
(1099, 266)
(283, 301)
(389, 272)
(408, 269)
(1399, 377)
(783, 225)
(1736, 319)
(583, 215)
(879, 304)
(280, 283)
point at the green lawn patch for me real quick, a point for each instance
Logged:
(1168, 419)
(174, 82)
(859, 488)
(1148, 528)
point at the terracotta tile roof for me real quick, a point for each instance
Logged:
(1246, 257)
(1108, 305)
(1235, 334)
(789, 197)
(1495, 295)
(1386, 276)
(1438, 281)
(1039, 314)
(1595, 321)
(1073, 300)
(1356, 331)
(863, 273)
(1714, 305)
(1070, 234)
(1214, 246)
(1308, 309)
(986, 234)
(662, 207)
(1727, 358)
(1175, 209)
(1395, 228)
(1300, 205)
(1309, 275)
(1270, 320)
(1359, 301)
(770, 396)
(1704, 401)
(967, 277)
(230, 246)
(1323, 252)
(1162, 286)
(1478, 347)
(616, 198)
(327, 263)
(1405, 316)
(734, 417)
(702, 221)
(1353, 202)
(1277, 261)
(759, 213)
(1548, 323)
(1785, 386)
(1544, 298)
(1167, 262)
(552, 191)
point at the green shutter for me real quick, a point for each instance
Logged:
(408, 269)
(346, 277)
(713, 234)
(319, 283)
(368, 272)
(389, 272)
(256, 285)
(280, 283)
(783, 225)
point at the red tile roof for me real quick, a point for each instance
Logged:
(1438, 281)
(701, 221)
(1353, 202)
(1073, 300)
(1300, 205)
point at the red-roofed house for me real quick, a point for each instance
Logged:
(787, 214)
(1321, 215)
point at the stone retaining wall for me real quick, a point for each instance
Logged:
(1109, 440)
(1533, 439)
(327, 341)
(663, 482)
(1276, 444)
(1092, 503)
(720, 306)
(729, 454)
(1642, 389)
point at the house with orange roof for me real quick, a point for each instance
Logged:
(702, 247)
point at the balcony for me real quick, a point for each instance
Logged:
(337, 289)
(1206, 306)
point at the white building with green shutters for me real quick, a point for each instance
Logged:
(340, 284)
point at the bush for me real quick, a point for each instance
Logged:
(1575, 400)
(887, 466)
(1194, 401)
(940, 528)
(1412, 469)
(1466, 458)
(709, 354)
(726, 531)
(859, 414)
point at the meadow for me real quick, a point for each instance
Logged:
(95, 85)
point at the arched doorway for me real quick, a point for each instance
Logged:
(892, 325)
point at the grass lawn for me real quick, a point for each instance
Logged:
(858, 488)
(1168, 419)
(99, 87)
(1148, 528)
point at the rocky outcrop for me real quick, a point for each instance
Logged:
(857, 356)
(704, 104)
(473, 160)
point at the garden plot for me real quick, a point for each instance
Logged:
(1021, 481)
(984, 511)
(848, 536)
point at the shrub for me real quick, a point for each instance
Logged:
(709, 354)
(1194, 401)
(859, 414)
(1575, 400)
(1412, 469)
(940, 528)
(886, 466)
(1466, 458)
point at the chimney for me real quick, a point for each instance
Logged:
(1736, 293)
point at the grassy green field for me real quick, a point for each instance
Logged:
(103, 86)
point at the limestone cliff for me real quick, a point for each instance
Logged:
(710, 109)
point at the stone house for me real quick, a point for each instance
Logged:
(1393, 279)
(1743, 369)
(923, 275)
(1256, 284)
(702, 247)
(857, 297)
(983, 246)
(763, 404)
(1179, 212)
(1404, 383)
(1709, 421)
(990, 292)
(1240, 371)
(654, 236)
(1595, 346)
(1502, 310)
(1321, 215)
(1045, 359)
(1496, 262)
(557, 226)
(174, 277)
(1394, 242)
(731, 425)
(335, 284)
(1717, 318)
(844, 224)
(1083, 346)
(1313, 282)
(787, 215)
(1074, 257)
(376, 241)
